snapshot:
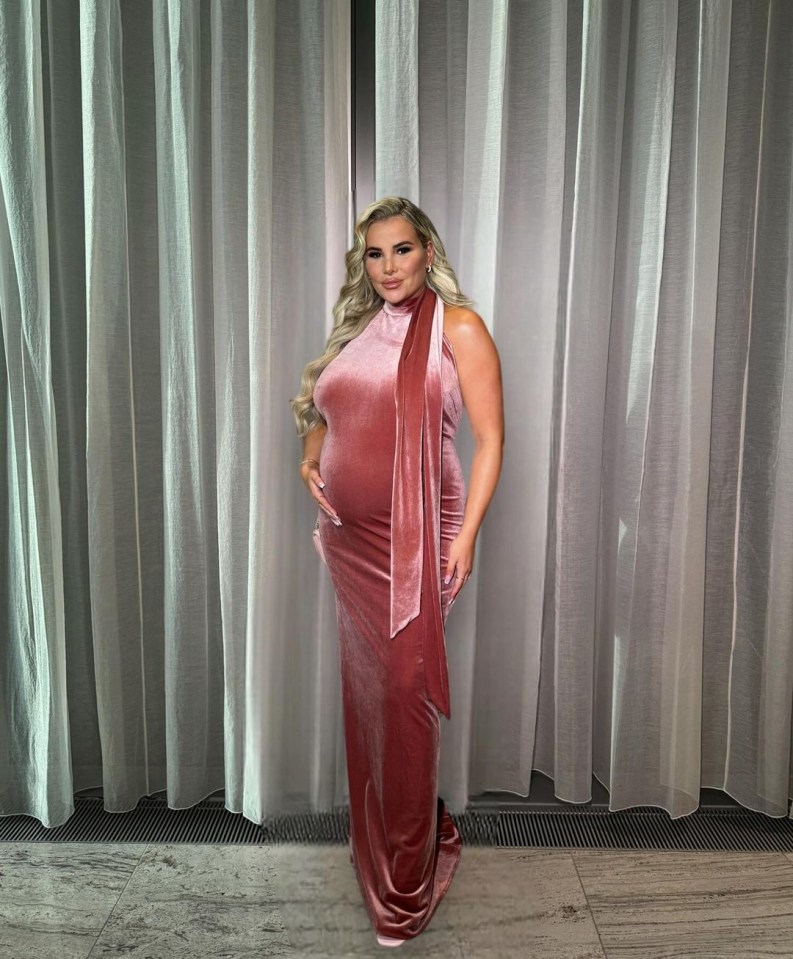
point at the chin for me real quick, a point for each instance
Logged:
(402, 293)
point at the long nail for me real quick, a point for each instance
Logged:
(336, 520)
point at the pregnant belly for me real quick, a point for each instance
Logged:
(358, 478)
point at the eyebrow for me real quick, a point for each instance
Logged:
(403, 243)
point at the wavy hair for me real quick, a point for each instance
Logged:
(358, 303)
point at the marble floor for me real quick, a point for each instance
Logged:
(80, 900)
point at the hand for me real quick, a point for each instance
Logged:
(460, 562)
(315, 484)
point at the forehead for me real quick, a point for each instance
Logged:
(384, 233)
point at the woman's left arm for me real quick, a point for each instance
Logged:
(479, 373)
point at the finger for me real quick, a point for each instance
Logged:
(317, 480)
(449, 571)
(313, 488)
(325, 505)
(458, 584)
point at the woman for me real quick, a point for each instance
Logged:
(378, 413)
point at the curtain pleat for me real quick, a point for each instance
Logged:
(192, 625)
(397, 97)
(61, 145)
(756, 349)
(35, 760)
(585, 348)
(230, 37)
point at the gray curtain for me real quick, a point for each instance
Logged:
(176, 204)
(612, 180)
(614, 183)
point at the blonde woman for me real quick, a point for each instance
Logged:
(378, 412)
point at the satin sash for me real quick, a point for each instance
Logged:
(416, 492)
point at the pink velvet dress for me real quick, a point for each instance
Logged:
(389, 453)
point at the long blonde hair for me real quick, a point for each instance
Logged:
(358, 303)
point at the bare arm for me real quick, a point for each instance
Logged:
(479, 373)
(312, 443)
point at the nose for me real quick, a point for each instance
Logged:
(388, 266)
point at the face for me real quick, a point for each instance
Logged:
(395, 259)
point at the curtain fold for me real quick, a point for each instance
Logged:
(116, 544)
(612, 181)
(754, 361)
(35, 760)
(186, 167)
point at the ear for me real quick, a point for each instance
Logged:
(430, 252)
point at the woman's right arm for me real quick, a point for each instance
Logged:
(312, 450)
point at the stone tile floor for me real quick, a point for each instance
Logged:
(176, 901)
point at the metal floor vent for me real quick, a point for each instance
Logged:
(534, 827)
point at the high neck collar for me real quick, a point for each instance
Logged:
(406, 306)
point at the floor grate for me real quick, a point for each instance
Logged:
(534, 827)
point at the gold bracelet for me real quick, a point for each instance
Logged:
(315, 462)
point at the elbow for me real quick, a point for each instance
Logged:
(490, 441)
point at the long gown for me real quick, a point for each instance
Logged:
(404, 845)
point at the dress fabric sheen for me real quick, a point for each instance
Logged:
(403, 843)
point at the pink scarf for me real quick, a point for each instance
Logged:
(416, 492)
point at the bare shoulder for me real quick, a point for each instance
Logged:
(478, 369)
(456, 315)
(465, 328)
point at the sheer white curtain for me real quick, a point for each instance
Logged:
(613, 181)
(174, 180)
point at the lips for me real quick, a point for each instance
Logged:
(393, 285)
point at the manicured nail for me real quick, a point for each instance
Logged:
(322, 486)
(447, 580)
(336, 520)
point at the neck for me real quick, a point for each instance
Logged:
(407, 305)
